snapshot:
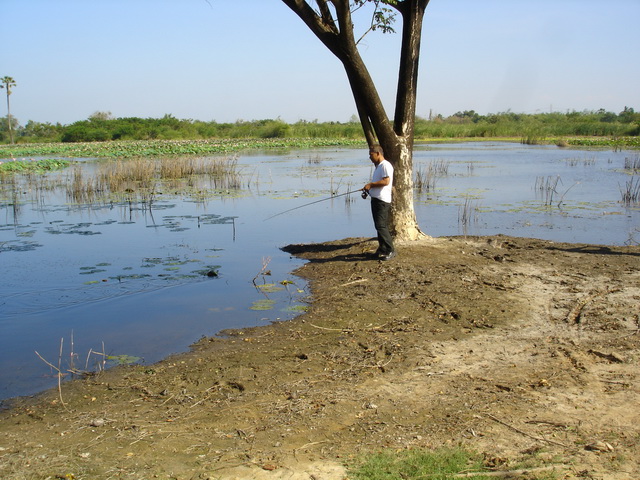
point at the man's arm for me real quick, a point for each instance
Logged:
(380, 183)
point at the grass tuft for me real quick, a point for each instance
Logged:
(440, 464)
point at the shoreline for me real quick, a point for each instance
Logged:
(424, 351)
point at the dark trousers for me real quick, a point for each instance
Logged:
(380, 212)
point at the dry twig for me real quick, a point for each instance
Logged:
(522, 432)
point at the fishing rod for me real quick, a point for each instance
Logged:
(365, 193)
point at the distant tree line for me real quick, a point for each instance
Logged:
(509, 124)
(101, 126)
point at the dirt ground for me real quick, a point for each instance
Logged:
(524, 350)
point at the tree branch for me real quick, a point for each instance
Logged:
(325, 31)
(326, 14)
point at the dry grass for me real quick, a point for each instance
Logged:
(139, 179)
(425, 178)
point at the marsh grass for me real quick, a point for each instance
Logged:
(314, 160)
(547, 187)
(572, 162)
(468, 214)
(632, 164)
(139, 180)
(425, 177)
(532, 139)
(470, 168)
(82, 190)
(64, 368)
(631, 192)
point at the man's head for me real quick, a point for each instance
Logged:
(376, 154)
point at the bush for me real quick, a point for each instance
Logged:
(85, 133)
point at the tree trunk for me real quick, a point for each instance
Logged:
(404, 224)
(9, 117)
(397, 139)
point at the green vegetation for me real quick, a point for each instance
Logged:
(194, 136)
(158, 148)
(442, 464)
(535, 126)
(100, 127)
(33, 166)
(102, 136)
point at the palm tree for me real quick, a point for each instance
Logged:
(8, 82)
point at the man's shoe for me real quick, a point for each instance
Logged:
(388, 256)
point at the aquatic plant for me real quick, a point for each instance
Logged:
(632, 164)
(572, 162)
(547, 187)
(532, 139)
(32, 166)
(631, 192)
(139, 180)
(425, 178)
(467, 214)
(160, 148)
(71, 368)
(263, 304)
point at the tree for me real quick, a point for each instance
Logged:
(8, 82)
(331, 22)
(100, 116)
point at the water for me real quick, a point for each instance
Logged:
(126, 280)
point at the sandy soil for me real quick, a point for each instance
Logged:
(524, 350)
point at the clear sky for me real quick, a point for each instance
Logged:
(228, 60)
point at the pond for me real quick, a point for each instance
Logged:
(111, 282)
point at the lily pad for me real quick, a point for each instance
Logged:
(123, 359)
(269, 288)
(95, 270)
(264, 304)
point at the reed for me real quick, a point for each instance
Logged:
(139, 180)
(631, 192)
(547, 187)
(314, 160)
(572, 162)
(632, 164)
(350, 197)
(470, 168)
(425, 178)
(128, 176)
(80, 189)
(177, 167)
(532, 139)
(468, 214)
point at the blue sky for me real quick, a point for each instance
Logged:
(227, 60)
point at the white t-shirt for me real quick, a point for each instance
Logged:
(384, 169)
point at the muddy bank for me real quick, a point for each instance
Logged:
(522, 349)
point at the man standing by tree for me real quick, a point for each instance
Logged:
(8, 82)
(332, 23)
(380, 189)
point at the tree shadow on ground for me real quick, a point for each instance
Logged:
(594, 249)
(347, 250)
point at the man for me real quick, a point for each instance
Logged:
(380, 191)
